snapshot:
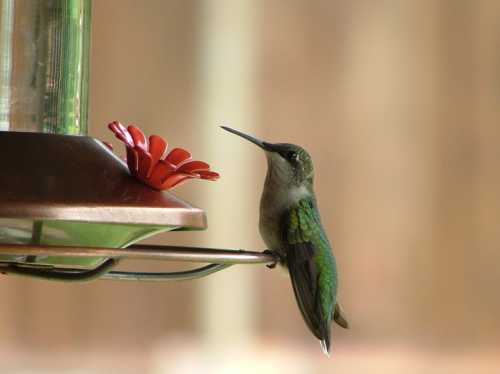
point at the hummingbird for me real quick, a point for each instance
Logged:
(291, 228)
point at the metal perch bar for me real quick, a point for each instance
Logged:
(158, 277)
(219, 259)
(103, 272)
(57, 274)
(145, 252)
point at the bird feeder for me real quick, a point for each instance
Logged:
(70, 209)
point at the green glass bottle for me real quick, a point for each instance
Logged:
(44, 65)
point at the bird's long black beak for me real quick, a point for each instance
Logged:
(264, 145)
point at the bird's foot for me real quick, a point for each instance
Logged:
(276, 258)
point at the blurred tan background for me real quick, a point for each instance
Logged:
(397, 101)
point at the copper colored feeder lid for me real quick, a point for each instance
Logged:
(77, 178)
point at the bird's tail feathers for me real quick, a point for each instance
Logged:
(325, 345)
(339, 316)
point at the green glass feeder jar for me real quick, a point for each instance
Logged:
(44, 65)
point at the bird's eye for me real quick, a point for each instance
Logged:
(292, 156)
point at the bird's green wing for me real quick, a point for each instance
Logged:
(311, 266)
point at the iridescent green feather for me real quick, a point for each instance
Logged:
(311, 261)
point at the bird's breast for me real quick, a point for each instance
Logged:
(269, 223)
(273, 205)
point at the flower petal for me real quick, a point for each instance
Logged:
(179, 183)
(194, 166)
(160, 172)
(108, 145)
(178, 156)
(175, 180)
(138, 137)
(121, 133)
(132, 161)
(157, 146)
(208, 175)
(144, 163)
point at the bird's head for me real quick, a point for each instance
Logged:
(288, 164)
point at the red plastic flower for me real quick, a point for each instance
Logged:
(144, 159)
